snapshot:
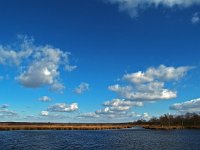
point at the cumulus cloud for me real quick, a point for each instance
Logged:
(82, 88)
(195, 18)
(162, 73)
(41, 63)
(15, 55)
(63, 107)
(150, 85)
(45, 99)
(116, 108)
(143, 92)
(44, 68)
(192, 106)
(133, 6)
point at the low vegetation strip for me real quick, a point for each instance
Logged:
(52, 126)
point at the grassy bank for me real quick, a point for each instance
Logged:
(62, 126)
(84, 126)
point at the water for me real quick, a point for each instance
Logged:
(102, 140)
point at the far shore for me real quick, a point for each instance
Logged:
(158, 127)
(83, 126)
(62, 126)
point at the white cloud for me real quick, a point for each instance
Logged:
(115, 108)
(45, 99)
(15, 56)
(44, 113)
(82, 88)
(113, 111)
(150, 85)
(133, 6)
(138, 77)
(188, 106)
(39, 65)
(44, 69)
(144, 92)
(161, 73)
(195, 18)
(63, 107)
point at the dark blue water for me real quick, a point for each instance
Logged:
(102, 140)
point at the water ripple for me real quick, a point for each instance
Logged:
(100, 140)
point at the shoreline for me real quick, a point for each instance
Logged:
(63, 126)
(7, 126)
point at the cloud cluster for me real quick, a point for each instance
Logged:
(115, 108)
(14, 55)
(139, 87)
(63, 107)
(82, 88)
(149, 85)
(39, 65)
(133, 6)
(192, 106)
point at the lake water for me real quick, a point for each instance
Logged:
(102, 140)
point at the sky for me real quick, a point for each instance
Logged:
(98, 60)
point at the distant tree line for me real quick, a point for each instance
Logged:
(188, 119)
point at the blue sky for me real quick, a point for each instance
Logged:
(98, 60)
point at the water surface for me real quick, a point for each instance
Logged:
(102, 140)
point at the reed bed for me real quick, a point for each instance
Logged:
(49, 126)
